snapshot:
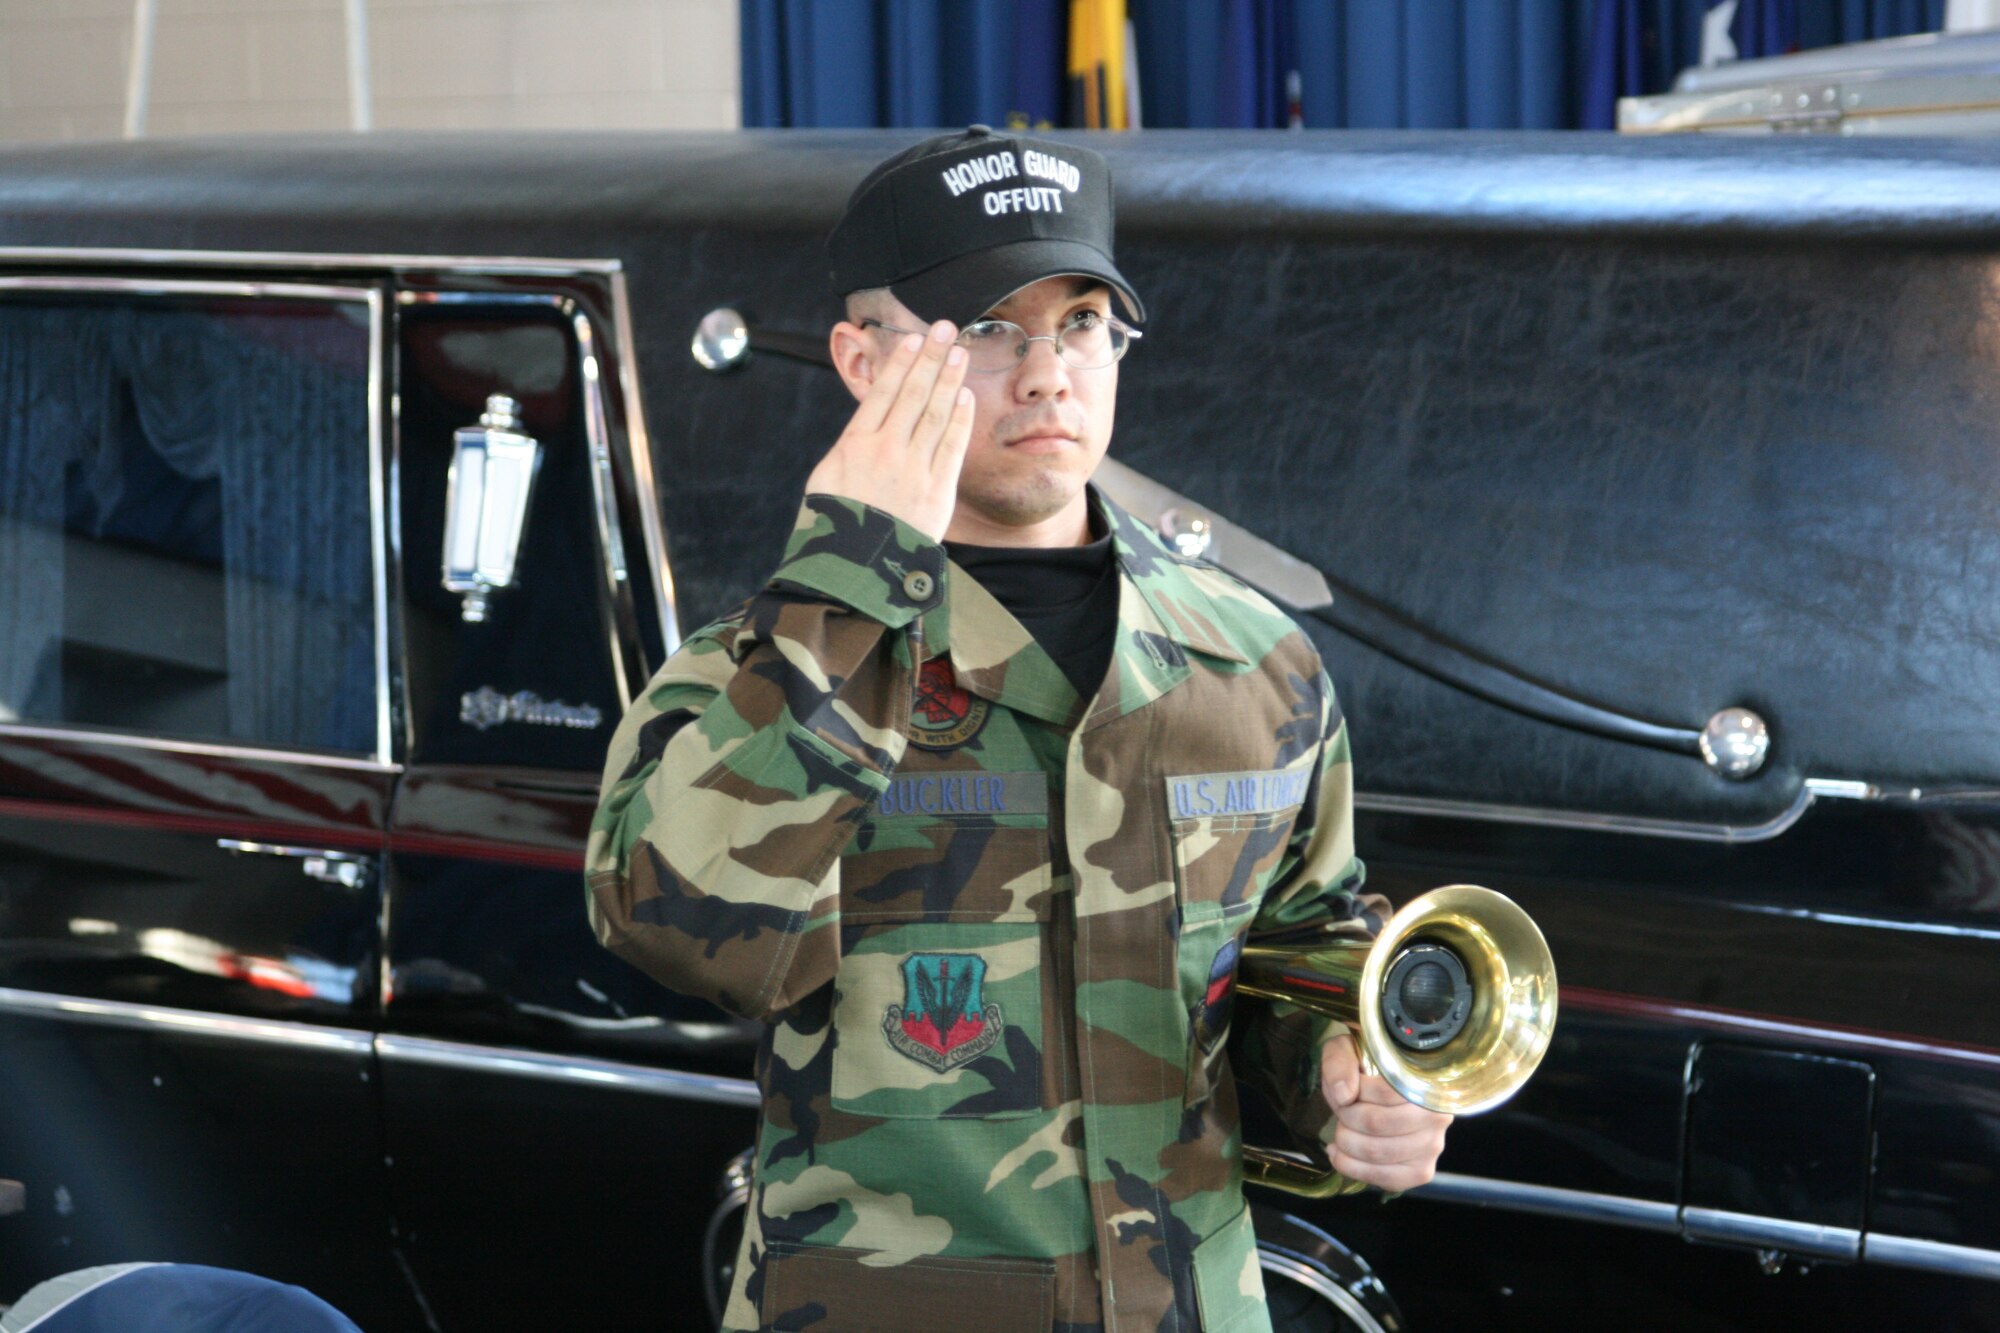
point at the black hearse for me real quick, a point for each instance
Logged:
(1644, 498)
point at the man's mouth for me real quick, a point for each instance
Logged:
(1041, 444)
(1043, 439)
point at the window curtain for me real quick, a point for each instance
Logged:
(45, 355)
(275, 408)
(1363, 64)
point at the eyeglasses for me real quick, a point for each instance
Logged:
(1088, 340)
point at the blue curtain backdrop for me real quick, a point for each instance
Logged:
(1377, 64)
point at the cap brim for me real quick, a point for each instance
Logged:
(964, 288)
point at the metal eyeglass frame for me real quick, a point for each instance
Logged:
(1131, 335)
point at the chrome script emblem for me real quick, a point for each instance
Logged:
(487, 707)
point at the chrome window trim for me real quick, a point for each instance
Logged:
(1279, 1261)
(470, 1058)
(639, 450)
(1810, 791)
(263, 754)
(477, 264)
(246, 848)
(1772, 1233)
(156, 1017)
(553, 300)
(378, 523)
(304, 291)
(369, 297)
(610, 534)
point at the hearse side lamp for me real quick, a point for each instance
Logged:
(493, 467)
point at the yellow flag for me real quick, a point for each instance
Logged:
(1097, 64)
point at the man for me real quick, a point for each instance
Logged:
(981, 838)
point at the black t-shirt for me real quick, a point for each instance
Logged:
(1067, 597)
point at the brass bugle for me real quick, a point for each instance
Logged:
(1453, 1004)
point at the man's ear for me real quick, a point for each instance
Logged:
(857, 354)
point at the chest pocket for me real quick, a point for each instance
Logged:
(945, 897)
(1229, 834)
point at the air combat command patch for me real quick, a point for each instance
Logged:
(1215, 1001)
(943, 1021)
(944, 715)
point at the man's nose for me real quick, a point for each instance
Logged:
(1042, 372)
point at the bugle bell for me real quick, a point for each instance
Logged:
(1453, 1004)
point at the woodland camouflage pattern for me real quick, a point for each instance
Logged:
(992, 927)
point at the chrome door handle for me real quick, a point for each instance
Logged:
(327, 866)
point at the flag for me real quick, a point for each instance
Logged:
(1097, 65)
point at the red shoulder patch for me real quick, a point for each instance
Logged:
(945, 715)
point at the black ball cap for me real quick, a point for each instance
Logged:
(957, 224)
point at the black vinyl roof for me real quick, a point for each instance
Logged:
(434, 192)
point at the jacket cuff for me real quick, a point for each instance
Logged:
(859, 556)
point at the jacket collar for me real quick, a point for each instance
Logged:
(1180, 608)
(1162, 613)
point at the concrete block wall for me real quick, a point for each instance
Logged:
(244, 66)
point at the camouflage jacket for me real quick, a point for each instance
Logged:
(993, 927)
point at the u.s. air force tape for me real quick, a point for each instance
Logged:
(967, 791)
(1199, 795)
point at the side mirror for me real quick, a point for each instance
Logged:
(493, 467)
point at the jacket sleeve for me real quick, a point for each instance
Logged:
(1318, 880)
(739, 775)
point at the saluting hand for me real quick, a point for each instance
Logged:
(903, 448)
(1382, 1140)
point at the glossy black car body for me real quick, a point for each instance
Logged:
(1621, 434)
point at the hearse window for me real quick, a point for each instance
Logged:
(530, 684)
(184, 516)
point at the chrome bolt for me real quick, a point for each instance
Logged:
(1188, 531)
(721, 340)
(1735, 743)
